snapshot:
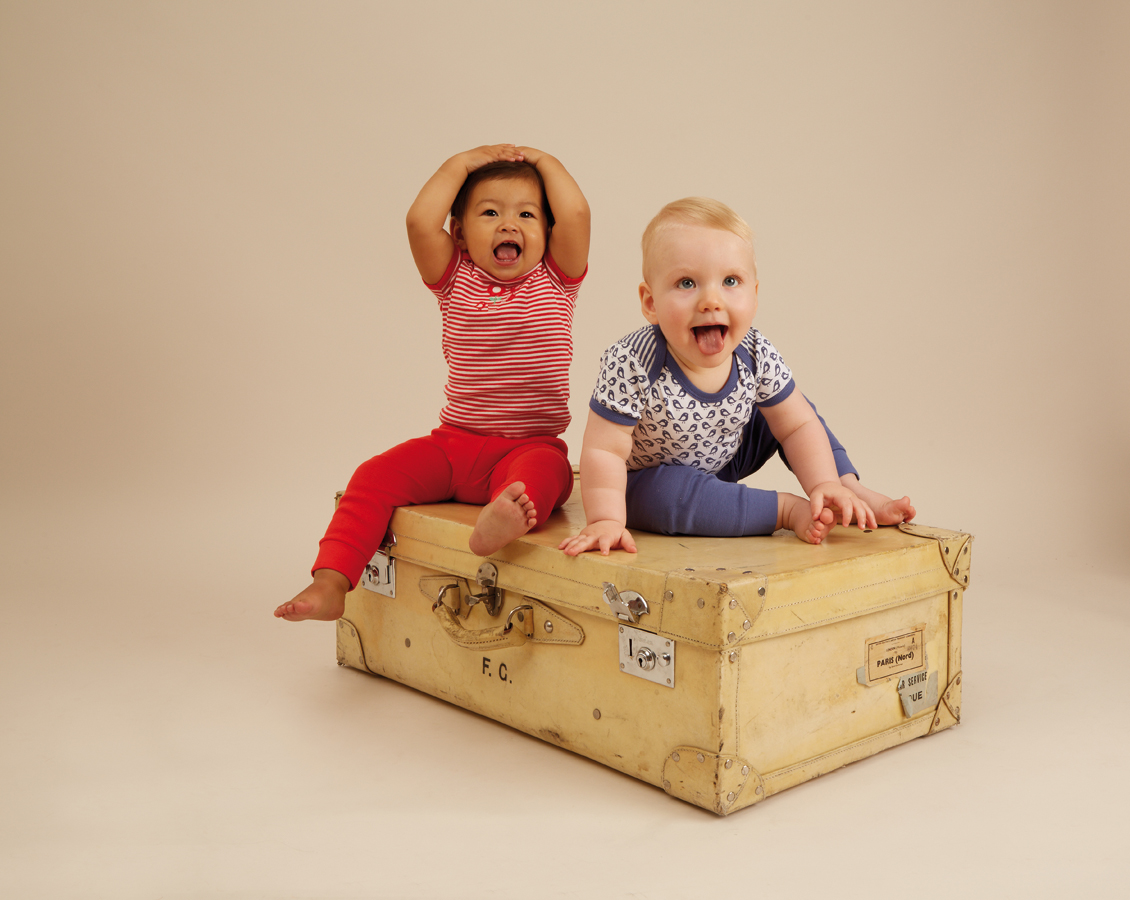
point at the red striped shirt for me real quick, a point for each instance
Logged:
(508, 345)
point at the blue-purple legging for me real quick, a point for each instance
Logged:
(686, 500)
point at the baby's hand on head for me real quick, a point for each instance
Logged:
(481, 156)
(529, 154)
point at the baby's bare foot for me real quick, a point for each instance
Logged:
(795, 513)
(809, 529)
(892, 512)
(510, 515)
(887, 511)
(324, 599)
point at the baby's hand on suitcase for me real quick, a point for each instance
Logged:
(843, 501)
(605, 535)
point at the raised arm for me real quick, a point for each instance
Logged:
(604, 481)
(431, 244)
(796, 427)
(569, 240)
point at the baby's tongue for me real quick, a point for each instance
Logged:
(506, 252)
(709, 338)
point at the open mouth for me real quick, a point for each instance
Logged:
(507, 252)
(710, 338)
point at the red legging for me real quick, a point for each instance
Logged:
(449, 464)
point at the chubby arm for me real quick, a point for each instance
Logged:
(795, 425)
(604, 480)
(569, 240)
(431, 245)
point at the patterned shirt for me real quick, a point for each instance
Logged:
(641, 384)
(508, 345)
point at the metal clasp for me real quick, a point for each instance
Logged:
(491, 598)
(647, 656)
(380, 574)
(627, 606)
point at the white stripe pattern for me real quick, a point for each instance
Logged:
(508, 346)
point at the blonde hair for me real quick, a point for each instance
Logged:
(697, 211)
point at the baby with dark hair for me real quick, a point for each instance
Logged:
(506, 274)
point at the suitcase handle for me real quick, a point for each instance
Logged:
(530, 621)
(505, 635)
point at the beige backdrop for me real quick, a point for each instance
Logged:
(210, 316)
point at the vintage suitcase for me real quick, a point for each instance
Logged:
(723, 670)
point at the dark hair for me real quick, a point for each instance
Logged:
(501, 171)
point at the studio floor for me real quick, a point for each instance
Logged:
(165, 737)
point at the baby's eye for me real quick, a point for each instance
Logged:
(730, 281)
(527, 215)
(686, 283)
(489, 212)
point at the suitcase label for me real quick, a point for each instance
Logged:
(893, 654)
(919, 692)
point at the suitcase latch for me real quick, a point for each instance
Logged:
(491, 597)
(380, 574)
(647, 656)
(627, 606)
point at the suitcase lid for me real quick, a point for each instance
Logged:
(714, 592)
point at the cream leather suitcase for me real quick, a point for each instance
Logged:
(722, 670)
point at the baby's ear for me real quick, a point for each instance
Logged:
(457, 234)
(647, 304)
